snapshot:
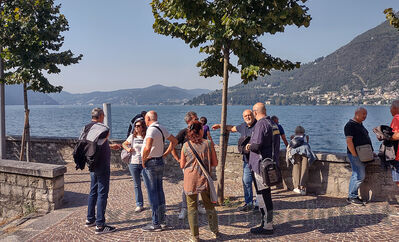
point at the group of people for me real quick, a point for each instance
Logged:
(260, 138)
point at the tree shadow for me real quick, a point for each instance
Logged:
(335, 224)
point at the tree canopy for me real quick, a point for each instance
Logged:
(236, 25)
(30, 37)
(392, 18)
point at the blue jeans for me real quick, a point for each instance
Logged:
(153, 180)
(247, 183)
(358, 175)
(136, 170)
(99, 188)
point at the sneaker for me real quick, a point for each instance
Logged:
(261, 230)
(152, 228)
(90, 224)
(139, 209)
(105, 229)
(163, 225)
(201, 209)
(355, 201)
(303, 192)
(183, 213)
(297, 190)
(245, 208)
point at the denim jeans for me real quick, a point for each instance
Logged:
(99, 189)
(136, 170)
(153, 180)
(247, 183)
(358, 175)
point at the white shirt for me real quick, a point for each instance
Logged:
(157, 148)
(137, 146)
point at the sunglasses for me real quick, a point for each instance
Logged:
(138, 126)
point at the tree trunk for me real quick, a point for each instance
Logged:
(223, 132)
(25, 141)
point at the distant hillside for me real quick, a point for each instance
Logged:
(366, 70)
(156, 95)
(14, 96)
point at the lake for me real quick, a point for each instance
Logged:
(324, 124)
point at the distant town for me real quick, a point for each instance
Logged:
(366, 96)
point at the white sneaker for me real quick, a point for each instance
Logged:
(183, 213)
(138, 209)
(297, 191)
(201, 210)
(303, 192)
(268, 226)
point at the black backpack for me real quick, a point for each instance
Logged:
(85, 150)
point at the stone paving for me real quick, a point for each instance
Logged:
(299, 218)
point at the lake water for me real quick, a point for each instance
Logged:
(324, 124)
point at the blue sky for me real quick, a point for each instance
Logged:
(122, 51)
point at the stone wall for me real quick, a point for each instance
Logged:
(329, 175)
(28, 187)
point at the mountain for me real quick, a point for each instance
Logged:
(14, 96)
(366, 70)
(156, 94)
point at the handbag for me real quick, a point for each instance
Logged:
(269, 171)
(365, 153)
(126, 156)
(212, 191)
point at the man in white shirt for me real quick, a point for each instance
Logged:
(152, 156)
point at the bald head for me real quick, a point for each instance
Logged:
(360, 114)
(259, 110)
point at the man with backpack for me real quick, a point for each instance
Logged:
(99, 168)
(264, 143)
(152, 157)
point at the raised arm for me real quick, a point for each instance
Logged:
(230, 128)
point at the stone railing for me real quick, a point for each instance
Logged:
(27, 187)
(329, 175)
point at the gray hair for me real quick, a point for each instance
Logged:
(395, 104)
(96, 113)
(299, 130)
(189, 116)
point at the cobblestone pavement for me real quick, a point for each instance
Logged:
(295, 217)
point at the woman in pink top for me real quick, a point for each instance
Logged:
(195, 180)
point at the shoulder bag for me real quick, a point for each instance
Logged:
(365, 153)
(211, 186)
(125, 155)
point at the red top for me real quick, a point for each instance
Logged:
(395, 128)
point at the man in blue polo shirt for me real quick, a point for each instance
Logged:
(245, 129)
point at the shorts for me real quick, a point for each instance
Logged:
(395, 171)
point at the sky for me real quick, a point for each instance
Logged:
(121, 51)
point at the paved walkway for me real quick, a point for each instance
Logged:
(295, 217)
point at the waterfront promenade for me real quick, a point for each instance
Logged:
(302, 218)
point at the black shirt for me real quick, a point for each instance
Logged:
(182, 136)
(358, 132)
(245, 131)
